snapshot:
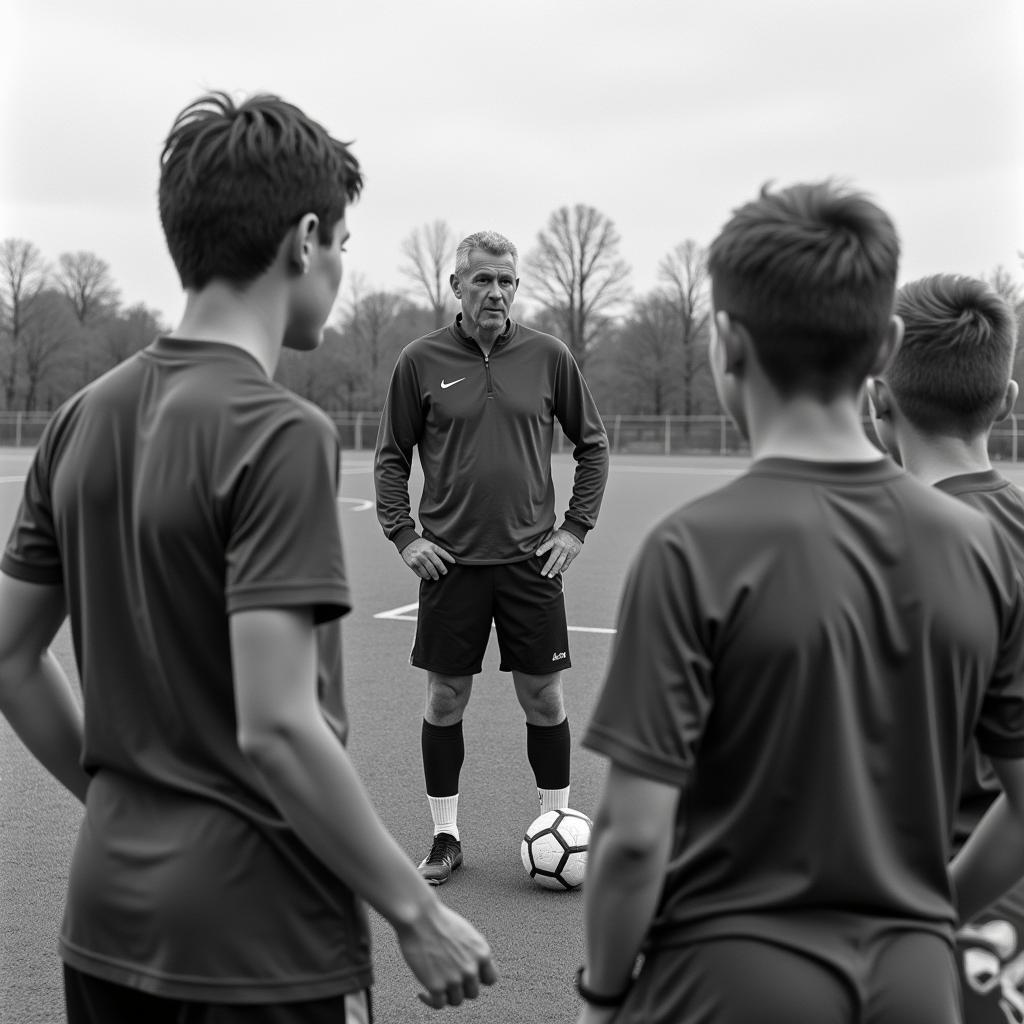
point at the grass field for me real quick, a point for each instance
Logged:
(536, 934)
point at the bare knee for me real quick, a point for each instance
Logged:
(540, 697)
(447, 697)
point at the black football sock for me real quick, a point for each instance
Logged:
(548, 749)
(443, 753)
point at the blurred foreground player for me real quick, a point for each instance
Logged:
(478, 400)
(181, 509)
(801, 660)
(934, 406)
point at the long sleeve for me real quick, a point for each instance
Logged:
(401, 426)
(578, 415)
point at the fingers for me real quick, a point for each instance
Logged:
(427, 560)
(455, 993)
(561, 557)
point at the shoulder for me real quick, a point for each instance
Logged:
(538, 340)
(428, 344)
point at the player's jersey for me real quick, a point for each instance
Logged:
(991, 493)
(181, 487)
(806, 653)
(483, 427)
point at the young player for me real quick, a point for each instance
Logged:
(933, 409)
(801, 659)
(181, 510)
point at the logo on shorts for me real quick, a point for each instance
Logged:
(560, 655)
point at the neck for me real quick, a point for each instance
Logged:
(931, 459)
(485, 337)
(805, 428)
(223, 314)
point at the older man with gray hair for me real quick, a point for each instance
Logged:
(479, 399)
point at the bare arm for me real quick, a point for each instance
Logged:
(35, 695)
(312, 781)
(992, 859)
(625, 872)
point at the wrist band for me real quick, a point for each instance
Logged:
(598, 998)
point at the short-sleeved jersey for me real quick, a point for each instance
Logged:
(992, 494)
(806, 653)
(178, 489)
(483, 427)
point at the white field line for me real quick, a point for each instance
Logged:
(358, 504)
(402, 614)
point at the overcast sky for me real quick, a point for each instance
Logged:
(664, 114)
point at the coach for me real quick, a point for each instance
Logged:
(479, 399)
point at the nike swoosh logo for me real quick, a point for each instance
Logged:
(450, 383)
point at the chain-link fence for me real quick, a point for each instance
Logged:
(629, 435)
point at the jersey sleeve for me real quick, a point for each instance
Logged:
(33, 552)
(401, 427)
(657, 692)
(578, 416)
(284, 546)
(1000, 727)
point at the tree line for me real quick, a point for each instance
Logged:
(63, 324)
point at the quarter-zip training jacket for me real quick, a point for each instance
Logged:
(484, 427)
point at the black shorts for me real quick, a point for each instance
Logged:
(91, 1000)
(908, 977)
(990, 956)
(455, 614)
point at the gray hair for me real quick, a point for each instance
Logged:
(489, 241)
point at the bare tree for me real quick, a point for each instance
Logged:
(84, 279)
(23, 278)
(43, 343)
(1002, 282)
(429, 260)
(370, 329)
(577, 274)
(684, 274)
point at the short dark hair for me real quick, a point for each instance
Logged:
(810, 271)
(950, 371)
(235, 177)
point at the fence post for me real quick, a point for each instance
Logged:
(359, 432)
(17, 429)
(615, 433)
(668, 435)
(721, 443)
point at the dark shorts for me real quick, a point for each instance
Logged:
(909, 978)
(456, 611)
(990, 957)
(91, 1000)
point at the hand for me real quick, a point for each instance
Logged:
(426, 559)
(449, 957)
(564, 547)
(597, 1014)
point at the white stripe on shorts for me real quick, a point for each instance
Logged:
(357, 1008)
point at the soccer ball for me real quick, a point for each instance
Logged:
(554, 849)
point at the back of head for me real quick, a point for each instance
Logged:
(810, 272)
(487, 241)
(950, 371)
(234, 178)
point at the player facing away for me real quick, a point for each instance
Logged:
(181, 510)
(478, 400)
(934, 406)
(801, 660)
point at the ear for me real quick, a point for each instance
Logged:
(456, 287)
(1008, 402)
(735, 342)
(880, 398)
(890, 342)
(302, 242)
